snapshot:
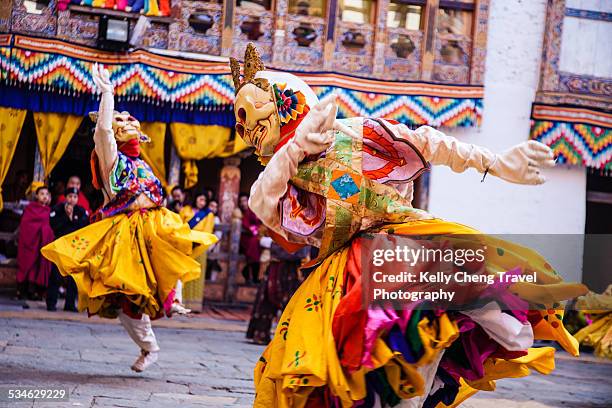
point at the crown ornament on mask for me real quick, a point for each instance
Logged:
(252, 65)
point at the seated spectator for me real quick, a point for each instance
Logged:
(197, 215)
(177, 199)
(212, 266)
(75, 182)
(213, 207)
(65, 218)
(34, 233)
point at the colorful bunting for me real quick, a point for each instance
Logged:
(160, 88)
(578, 136)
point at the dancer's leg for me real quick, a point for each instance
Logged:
(141, 332)
(178, 297)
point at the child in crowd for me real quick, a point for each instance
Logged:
(34, 233)
(66, 217)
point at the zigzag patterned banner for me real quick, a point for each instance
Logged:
(52, 75)
(578, 136)
(412, 110)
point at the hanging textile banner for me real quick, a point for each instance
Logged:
(154, 151)
(156, 8)
(11, 122)
(197, 142)
(49, 75)
(578, 136)
(54, 132)
(412, 110)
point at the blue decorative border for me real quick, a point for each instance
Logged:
(588, 14)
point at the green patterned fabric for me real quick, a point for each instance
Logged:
(369, 203)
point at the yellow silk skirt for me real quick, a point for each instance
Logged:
(302, 355)
(138, 257)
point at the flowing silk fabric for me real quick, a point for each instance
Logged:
(139, 255)
(305, 353)
(153, 152)
(54, 132)
(11, 122)
(540, 359)
(350, 318)
(34, 233)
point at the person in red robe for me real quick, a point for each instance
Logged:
(75, 182)
(34, 233)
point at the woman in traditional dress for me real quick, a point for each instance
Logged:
(126, 263)
(338, 184)
(199, 218)
(198, 215)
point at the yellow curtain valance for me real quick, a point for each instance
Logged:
(11, 122)
(153, 152)
(197, 142)
(54, 132)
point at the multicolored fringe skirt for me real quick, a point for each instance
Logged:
(130, 261)
(331, 351)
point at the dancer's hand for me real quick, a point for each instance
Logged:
(523, 163)
(101, 78)
(314, 143)
(314, 135)
(320, 118)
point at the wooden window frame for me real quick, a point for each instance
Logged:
(555, 86)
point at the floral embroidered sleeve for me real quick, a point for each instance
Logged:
(271, 188)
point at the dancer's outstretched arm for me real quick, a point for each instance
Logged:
(105, 144)
(520, 164)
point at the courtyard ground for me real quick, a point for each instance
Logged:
(206, 362)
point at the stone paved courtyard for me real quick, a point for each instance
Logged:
(211, 366)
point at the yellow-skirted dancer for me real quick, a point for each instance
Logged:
(126, 264)
(336, 183)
